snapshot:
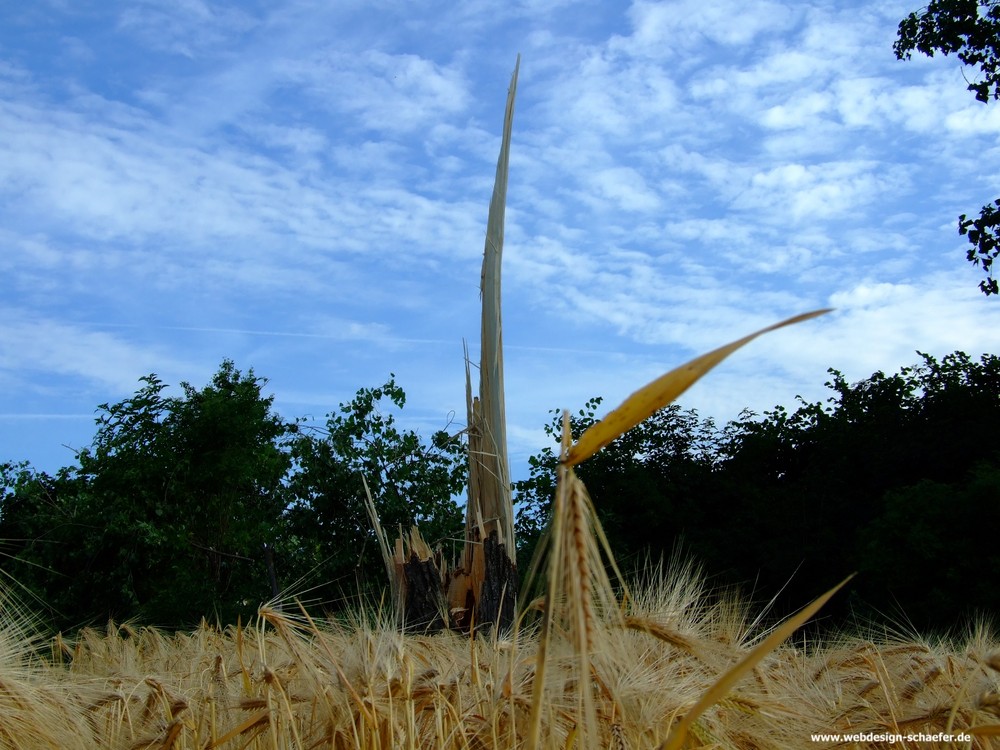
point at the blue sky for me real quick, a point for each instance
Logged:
(302, 187)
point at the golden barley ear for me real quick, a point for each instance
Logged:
(580, 600)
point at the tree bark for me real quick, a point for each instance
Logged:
(424, 608)
(272, 577)
(498, 594)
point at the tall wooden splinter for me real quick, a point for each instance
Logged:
(483, 588)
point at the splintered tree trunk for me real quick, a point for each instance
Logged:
(484, 589)
(498, 594)
(481, 590)
(421, 573)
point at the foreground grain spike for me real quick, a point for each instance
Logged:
(580, 598)
(580, 602)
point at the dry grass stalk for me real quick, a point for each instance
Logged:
(396, 581)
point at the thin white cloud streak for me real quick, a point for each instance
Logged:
(373, 333)
(379, 91)
(185, 27)
(685, 175)
(45, 417)
(29, 346)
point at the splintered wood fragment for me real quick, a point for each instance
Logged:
(419, 573)
(488, 569)
(482, 587)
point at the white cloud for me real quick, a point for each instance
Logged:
(385, 92)
(662, 28)
(183, 27)
(817, 192)
(626, 188)
(975, 119)
(863, 102)
(798, 114)
(682, 172)
(29, 346)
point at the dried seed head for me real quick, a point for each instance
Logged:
(994, 661)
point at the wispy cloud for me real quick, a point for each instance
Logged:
(303, 187)
(30, 347)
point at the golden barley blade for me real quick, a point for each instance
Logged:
(647, 400)
(725, 683)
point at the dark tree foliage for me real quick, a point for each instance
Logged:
(943, 535)
(982, 234)
(167, 517)
(804, 486)
(665, 461)
(38, 513)
(203, 505)
(894, 477)
(969, 29)
(411, 482)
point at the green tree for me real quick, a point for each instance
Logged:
(168, 516)
(793, 500)
(412, 481)
(38, 515)
(205, 503)
(646, 485)
(969, 29)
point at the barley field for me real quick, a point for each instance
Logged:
(288, 681)
(590, 661)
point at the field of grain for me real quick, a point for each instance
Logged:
(591, 661)
(290, 682)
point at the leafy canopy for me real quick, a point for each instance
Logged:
(969, 29)
(208, 503)
(412, 481)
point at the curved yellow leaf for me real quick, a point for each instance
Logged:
(725, 683)
(644, 402)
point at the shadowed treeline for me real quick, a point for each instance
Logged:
(896, 477)
(187, 506)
